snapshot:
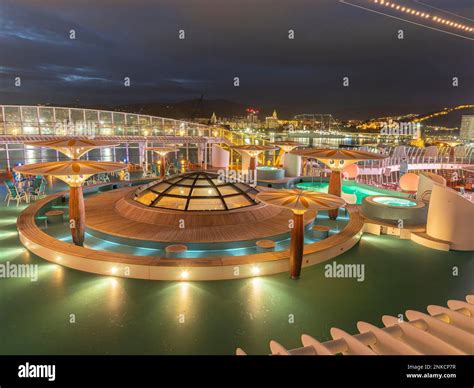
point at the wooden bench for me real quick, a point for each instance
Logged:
(54, 216)
(176, 250)
(321, 231)
(264, 245)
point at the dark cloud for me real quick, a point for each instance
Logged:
(225, 39)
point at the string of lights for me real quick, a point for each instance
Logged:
(424, 15)
(442, 10)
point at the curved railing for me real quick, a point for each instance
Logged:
(64, 121)
(20, 123)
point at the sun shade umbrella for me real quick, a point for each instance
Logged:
(73, 148)
(337, 160)
(253, 150)
(73, 173)
(285, 147)
(288, 145)
(162, 151)
(299, 202)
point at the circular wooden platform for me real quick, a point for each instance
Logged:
(161, 268)
(116, 214)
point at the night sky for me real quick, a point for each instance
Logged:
(227, 39)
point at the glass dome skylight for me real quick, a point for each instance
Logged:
(197, 191)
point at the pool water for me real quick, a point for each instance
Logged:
(358, 191)
(393, 201)
(267, 168)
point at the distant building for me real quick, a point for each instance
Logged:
(213, 119)
(272, 121)
(252, 118)
(467, 128)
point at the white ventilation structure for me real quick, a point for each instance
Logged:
(443, 331)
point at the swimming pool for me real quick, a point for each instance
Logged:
(352, 188)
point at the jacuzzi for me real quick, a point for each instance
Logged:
(391, 209)
(268, 173)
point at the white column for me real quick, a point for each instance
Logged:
(38, 119)
(292, 165)
(141, 149)
(8, 156)
(199, 154)
(220, 157)
(146, 155)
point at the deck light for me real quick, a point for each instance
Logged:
(255, 271)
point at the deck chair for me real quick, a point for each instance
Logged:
(39, 191)
(14, 194)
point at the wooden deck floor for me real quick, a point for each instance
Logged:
(102, 216)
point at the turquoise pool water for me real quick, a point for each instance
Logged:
(267, 168)
(61, 232)
(360, 192)
(393, 201)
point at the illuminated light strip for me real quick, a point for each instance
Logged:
(424, 15)
(404, 20)
(442, 10)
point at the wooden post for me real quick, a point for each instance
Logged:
(162, 166)
(253, 163)
(253, 169)
(334, 189)
(296, 247)
(77, 216)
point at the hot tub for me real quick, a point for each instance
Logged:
(391, 209)
(394, 201)
(267, 173)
